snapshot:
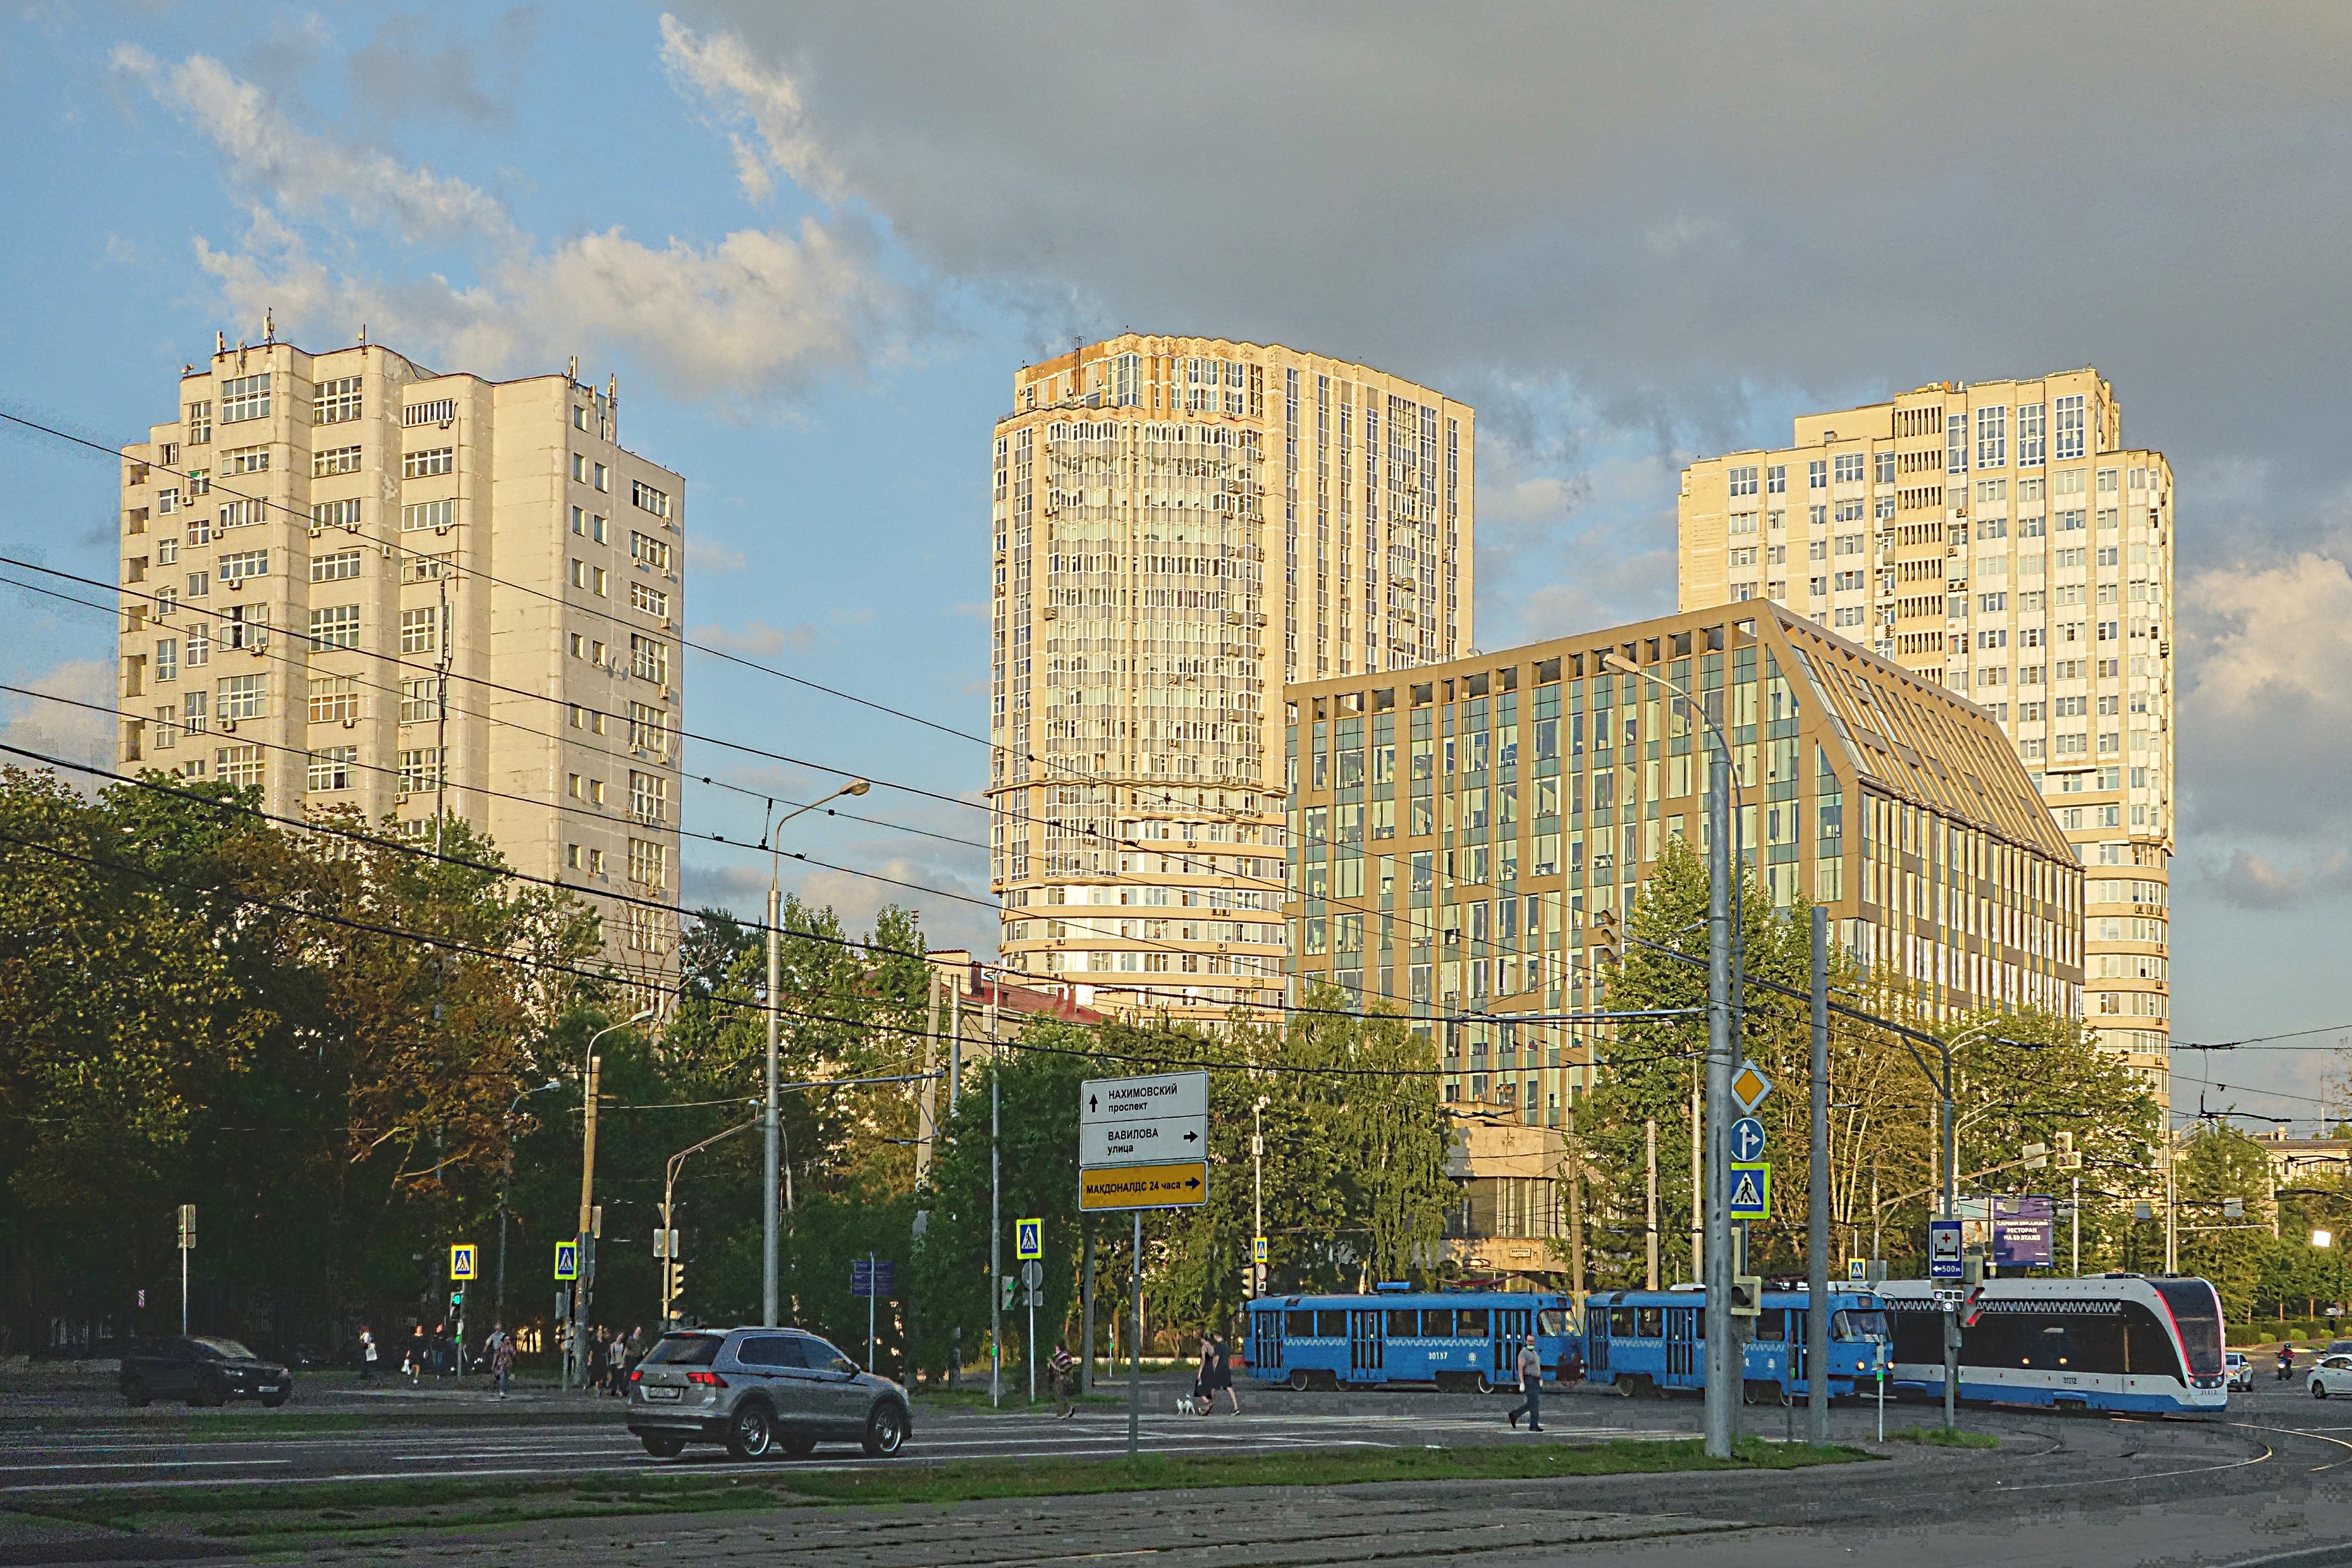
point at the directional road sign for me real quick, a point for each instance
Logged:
(1144, 1186)
(1751, 1191)
(1747, 1139)
(1028, 1239)
(1749, 1086)
(872, 1278)
(461, 1260)
(567, 1260)
(1160, 1120)
(1944, 1254)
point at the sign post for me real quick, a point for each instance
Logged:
(1032, 1276)
(187, 1245)
(1143, 1142)
(874, 1279)
(461, 1275)
(1946, 1268)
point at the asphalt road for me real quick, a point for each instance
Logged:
(2271, 1485)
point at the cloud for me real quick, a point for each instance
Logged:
(757, 315)
(419, 65)
(756, 639)
(2252, 881)
(707, 555)
(57, 729)
(744, 92)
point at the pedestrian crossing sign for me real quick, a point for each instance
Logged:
(461, 1260)
(1751, 1191)
(1028, 1239)
(567, 1260)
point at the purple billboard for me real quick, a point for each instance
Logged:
(2021, 1230)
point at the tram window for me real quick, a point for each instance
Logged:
(1404, 1324)
(1772, 1325)
(1858, 1326)
(1621, 1322)
(1330, 1325)
(1470, 1322)
(1437, 1323)
(1300, 1325)
(1552, 1321)
(1652, 1322)
(1918, 1336)
(2051, 1349)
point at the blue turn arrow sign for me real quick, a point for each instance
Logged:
(1747, 1140)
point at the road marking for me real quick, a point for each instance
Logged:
(131, 1465)
(2299, 1432)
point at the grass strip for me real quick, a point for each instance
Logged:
(1937, 1438)
(365, 1507)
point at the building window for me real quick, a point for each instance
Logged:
(239, 765)
(1992, 437)
(438, 411)
(334, 460)
(335, 402)
(644, 495)
(420, 770)
(1776, 479)
(336, 568)
(336, 514)
(334, 698)
(167, 661)
(604, 477)
(1817, 474)
(244, 564)
(425, 465)
(335, 625)
(434, 514)
(1886, 467)
(241, 697)
(425, 568)
(192, 709)
(2070, 427)
(647, 597)
(416, 627)
(648, 660)
(1956, 443)
(200, 425)
(245, 460)
(1743, 481)
(648, 863)
(244, 397)
(166, 732)
(420, 700)
(330, 769)
(592, 578)
(653, 553)
(648, 728)
(648, 796)
(1849, 467)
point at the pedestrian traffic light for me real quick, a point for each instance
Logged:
(1007, 1280)
(458, 1297)
(1747, 1295)
(1600, 940)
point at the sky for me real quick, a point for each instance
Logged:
(814, 242)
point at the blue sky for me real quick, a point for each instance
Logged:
(814, 242)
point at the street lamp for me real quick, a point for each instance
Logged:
(2323, 1238)
(506, 1176)
(771, 1163)
(1723, 1368)
(586, 1265)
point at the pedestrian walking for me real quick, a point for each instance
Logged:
(502, 1354)
(1204, 1387)
(1220, 1374)
(415, 1363)
(367, 1356)
(597, 1351)
(1530, 1369)
(1063, 1371)
(439, 1353)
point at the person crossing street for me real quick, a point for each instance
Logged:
(1530, 1371)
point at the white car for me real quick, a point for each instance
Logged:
(2333, 1376)
(2240, 1371)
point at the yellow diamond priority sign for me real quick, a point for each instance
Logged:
(1749, 1086)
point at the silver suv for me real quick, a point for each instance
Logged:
(761, 1389)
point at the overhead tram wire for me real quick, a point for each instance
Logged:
(303, 518)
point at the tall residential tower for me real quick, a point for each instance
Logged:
(351, 580)
(2001, 540)
(1182, 525)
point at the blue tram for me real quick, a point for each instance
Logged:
(1650, 1340)
(1457, 1340)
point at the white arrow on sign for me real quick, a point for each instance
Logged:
(1159, 1097)
(1167, 1140)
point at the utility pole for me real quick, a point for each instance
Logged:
(1699, 1178)
(576, 1361)
(926, 1103)
(1134, 1346)
(995, 1249)
(2077, 1214)
(2171, 1210)
(1257, 1192)
(1722, 1367)
(771, 1128)
(441, 722)
(1817, 1220)
(1575, 1214)
(1650, 1197)
(1087, 1373)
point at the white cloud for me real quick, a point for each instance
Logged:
(58, 730)
(707, 555)
(741, 88)
(758, 639)
(756, 315)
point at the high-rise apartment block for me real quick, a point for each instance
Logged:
(1180, 525)
(2001, 540)
(1460, 832)
(352, 580)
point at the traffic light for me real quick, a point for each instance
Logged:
(458, 1297)
(1747, 1295)
(676, 1285)
(1601, 942)
(1006, 1281)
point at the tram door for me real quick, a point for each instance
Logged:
(1801, 1350)
(1512, 1326)
(1367, 1346)
(1682, 1342)
(1269, 1348)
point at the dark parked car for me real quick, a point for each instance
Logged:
(757, 1390)
(203, 1370)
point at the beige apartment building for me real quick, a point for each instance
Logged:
(1460, 830)
(352, 580)
(2000, 539)
(1182, 525)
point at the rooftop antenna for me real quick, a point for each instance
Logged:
(268, 326)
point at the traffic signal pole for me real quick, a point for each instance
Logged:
(1722, 1370)
(1817, 1217)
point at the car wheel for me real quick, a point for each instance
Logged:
(662, 1447)
(272, 1401)
(2318, 1389)
(135, 1391)
(751, 1432)
(885, 1430)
